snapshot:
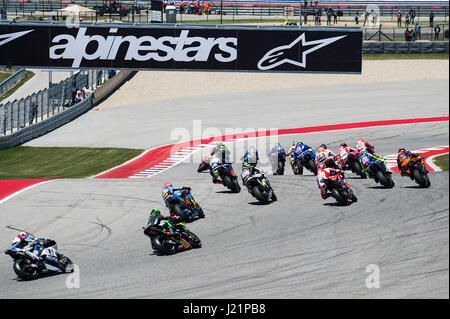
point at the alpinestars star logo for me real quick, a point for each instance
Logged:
(5, 38)
(284, 54)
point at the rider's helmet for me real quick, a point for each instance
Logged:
(155, 212)
(323, 147)
(20, 236)
(369, 148)
(294, 143)
(167, 189)
(401, 150)
(321, 166)
(251, 155)
(300, 142)
(344, 144)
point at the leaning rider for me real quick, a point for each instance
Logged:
(171, 197)
(38, 244)
(174, 225)
(220, 155)
(404, 158)
(249, 162)
(324, 173)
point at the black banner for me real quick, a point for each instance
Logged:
(286, 49)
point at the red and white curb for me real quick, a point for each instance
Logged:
(162, 158)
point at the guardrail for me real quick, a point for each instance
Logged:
(11, 81)
(33, 131)
(405, 47)
(18, 114)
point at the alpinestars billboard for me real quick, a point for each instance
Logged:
(286, 49)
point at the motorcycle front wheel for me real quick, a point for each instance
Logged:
(24, 272)
(162, 244)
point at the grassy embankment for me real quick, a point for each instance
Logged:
(24, 162)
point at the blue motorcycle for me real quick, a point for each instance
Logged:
(304, 157)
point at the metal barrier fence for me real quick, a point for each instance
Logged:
(28, 8)
(18, 114)
(11, 81)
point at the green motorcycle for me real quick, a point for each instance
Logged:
(168, 238)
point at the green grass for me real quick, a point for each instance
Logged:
(24, 162)
(405, 56)
(4, 76)
(28, 75)
(442, 162)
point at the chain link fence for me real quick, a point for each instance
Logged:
(46, 103)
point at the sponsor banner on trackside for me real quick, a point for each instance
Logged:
(286, 49)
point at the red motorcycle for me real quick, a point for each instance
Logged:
(340, 190)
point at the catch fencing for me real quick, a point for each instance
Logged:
(11, 81)
(18, 114)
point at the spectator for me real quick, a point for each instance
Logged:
(335, 17)
(413, 35)
(437, 29)
(431, 19)
(356, 17)
(305, 17)
(399, 19)
(33, 113)
(407, 20)
(417, 31)
(329, 16)
(413, 15)
(111, 73)
(407, 35)
(79, 97)
(366, 18)
(316, 17)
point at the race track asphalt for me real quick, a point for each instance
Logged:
(297, 247)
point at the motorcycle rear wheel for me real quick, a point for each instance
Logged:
(181, 212)
(420, 179)
(339, 198)
(256, 192)
(358, 170)
(385, 180)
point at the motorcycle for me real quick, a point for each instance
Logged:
(378, 170)
(306, 159)
(258, 185)
(278, 161)
(28, 268)
(204, 165)
(340, 190)
(228, 177)
(167, 238)
(418, 172)
(354, 164)
(186, 207)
